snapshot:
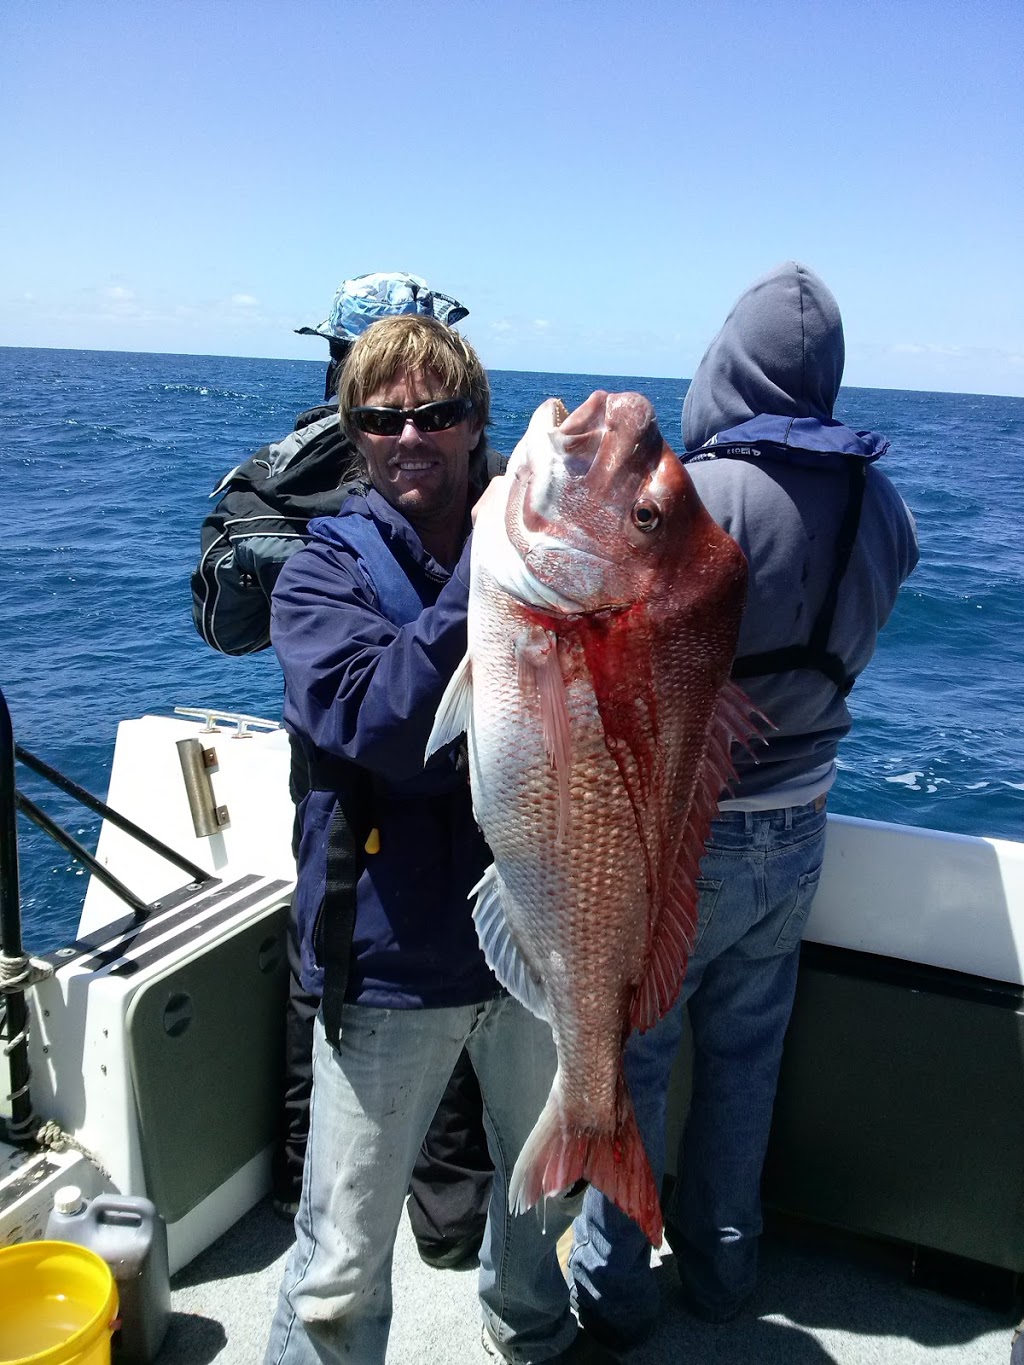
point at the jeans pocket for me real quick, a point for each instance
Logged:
(708, 891)
(793, 928)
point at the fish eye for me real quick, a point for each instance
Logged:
(646, 515)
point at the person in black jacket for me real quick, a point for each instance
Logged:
(261, 518)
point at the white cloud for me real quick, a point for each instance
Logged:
(928, 348)
(520, 328)
(929, 365)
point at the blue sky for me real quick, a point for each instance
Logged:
(596, 181)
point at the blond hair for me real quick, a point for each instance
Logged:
(416, 345)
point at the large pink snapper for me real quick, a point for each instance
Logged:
(604, 609)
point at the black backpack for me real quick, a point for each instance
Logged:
(262, 517)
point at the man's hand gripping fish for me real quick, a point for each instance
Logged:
(603, 615)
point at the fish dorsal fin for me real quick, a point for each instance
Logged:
(675, 929)
(453, 710)
(539, 669)
(500, 949)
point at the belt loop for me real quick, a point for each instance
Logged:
(788, 821)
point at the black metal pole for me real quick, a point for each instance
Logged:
(49, 826)
(197, 873)
(21, 1124)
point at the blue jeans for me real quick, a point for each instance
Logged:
(758, 877)
(373, 1099)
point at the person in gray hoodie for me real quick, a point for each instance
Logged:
(828, 541)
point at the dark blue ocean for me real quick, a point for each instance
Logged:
(108, 460)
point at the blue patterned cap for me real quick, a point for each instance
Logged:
(366, 299)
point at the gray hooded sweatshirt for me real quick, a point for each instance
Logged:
(772, 467)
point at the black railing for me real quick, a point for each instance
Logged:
(93, 803)
(10, 932)
(21, 1127)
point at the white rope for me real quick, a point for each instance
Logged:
(17, 973)
(52, 1136)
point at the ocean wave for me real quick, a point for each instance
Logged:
(204, 391)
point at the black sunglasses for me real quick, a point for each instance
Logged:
(439, 416)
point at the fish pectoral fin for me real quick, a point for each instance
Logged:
(454, 709)
(500, 949)
(540, 670)
(733, 721)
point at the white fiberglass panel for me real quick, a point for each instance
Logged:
(946, 900)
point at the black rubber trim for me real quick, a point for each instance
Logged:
(136, 963)
(173, 909)
(891, 971)
(121, 935)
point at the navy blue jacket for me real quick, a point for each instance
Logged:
(363, 679)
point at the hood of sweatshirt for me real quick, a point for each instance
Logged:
(771, 376)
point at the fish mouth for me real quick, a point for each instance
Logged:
(583, 578)
(559, 450)
(560, 580)
(623, 423)
(577, 436)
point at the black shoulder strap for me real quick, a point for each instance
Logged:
(845, 538)
(815, 653)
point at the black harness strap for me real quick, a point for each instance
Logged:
(815, 653)
(347, 834)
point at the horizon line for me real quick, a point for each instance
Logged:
(576, 374)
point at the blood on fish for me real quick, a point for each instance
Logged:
(616, 646)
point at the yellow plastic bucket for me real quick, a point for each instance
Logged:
(58, 1305)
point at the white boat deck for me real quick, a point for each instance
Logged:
(837, 1300)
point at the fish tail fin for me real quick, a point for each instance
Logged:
(554, 1158)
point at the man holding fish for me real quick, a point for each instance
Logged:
(265, 505)
(369, 623)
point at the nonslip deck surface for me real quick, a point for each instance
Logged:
(849, 1304)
